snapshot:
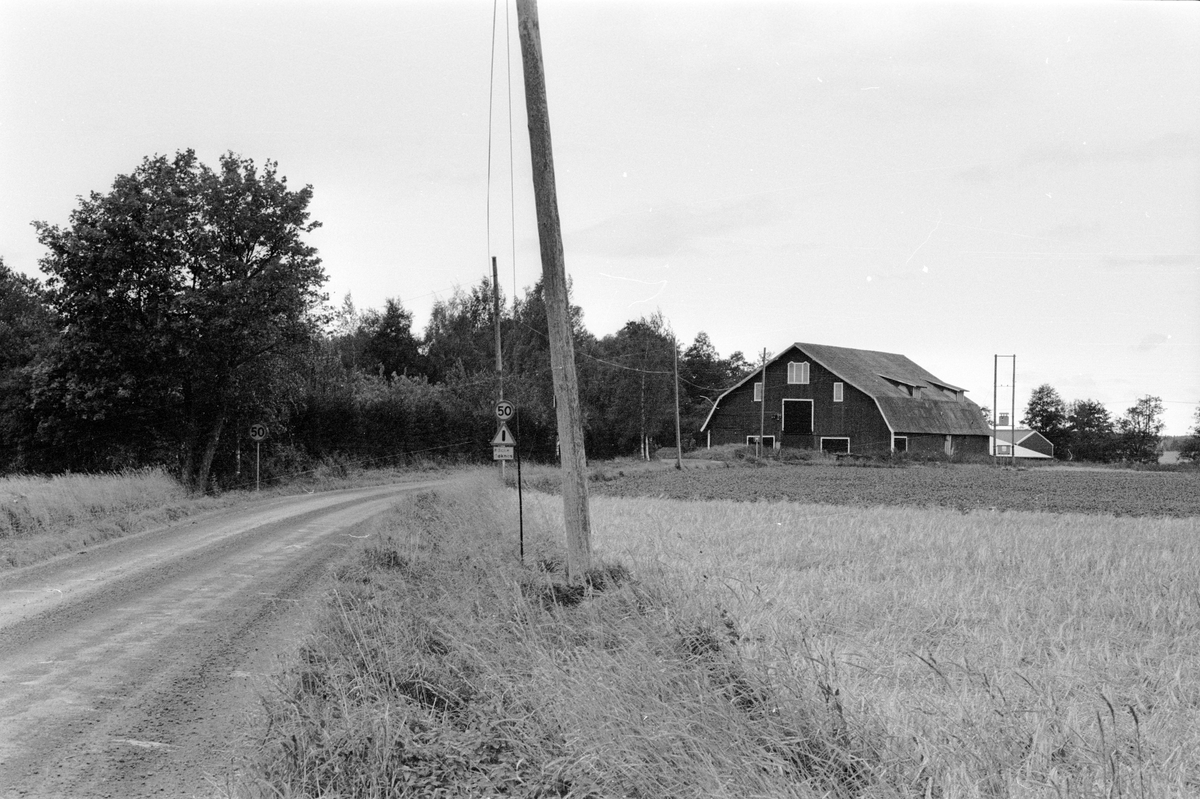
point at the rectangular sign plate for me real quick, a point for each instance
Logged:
(502, 453)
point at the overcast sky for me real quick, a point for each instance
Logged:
(945, 180)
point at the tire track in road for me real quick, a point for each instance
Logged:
(137, 679)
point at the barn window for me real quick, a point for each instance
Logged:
(758, 392)
(835, 445)
(837, 392)
(900, 443)
(798, 372)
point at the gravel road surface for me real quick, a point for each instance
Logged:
(132, 669)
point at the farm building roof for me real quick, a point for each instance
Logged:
(1029, 443)
(1005, 434)
(911, 399)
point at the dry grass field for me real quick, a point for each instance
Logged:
(750, 649)
(44, 516)
(982, 654)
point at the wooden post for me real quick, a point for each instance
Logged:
(678, 438)
(1013, 460)
(499, 361)
(558, 315)
(762, 409)
(995, 409)
(496, 316)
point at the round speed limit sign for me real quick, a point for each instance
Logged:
(505, 410)
(258, 432)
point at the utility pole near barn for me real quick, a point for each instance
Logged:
(762, 408)
(678, 438)
(499, 360)
(558, 314)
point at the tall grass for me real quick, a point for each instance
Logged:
(766, 649)
(995, 654)
(44, 515)
(443, 667)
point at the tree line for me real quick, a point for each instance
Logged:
(184, 304)
(1085, 430)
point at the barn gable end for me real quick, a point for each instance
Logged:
(841, 399)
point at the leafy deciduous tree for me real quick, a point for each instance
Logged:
(1190, 451)
(390, 347)
(1141, 428)
(27, 329)
(1091, 431)
(1047, 414)
(637, 401)
(187, 293)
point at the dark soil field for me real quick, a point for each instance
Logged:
(966, 487)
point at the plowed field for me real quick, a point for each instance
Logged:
(1054, 489)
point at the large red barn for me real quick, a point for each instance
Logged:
(846, 400)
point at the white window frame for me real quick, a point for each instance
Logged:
(798, 373)
(899, 438)
(758, 391)
(836, 438)
(839, 392)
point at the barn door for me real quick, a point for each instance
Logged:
(797, 423)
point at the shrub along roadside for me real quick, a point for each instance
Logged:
(443, 667)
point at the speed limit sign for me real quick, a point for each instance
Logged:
(258, 431)
(505, 410)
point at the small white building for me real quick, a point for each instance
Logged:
(1028, 444)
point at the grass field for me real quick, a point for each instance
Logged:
(751, 649)
(1056, 489)
(44, 516)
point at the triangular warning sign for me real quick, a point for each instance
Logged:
(504, 437)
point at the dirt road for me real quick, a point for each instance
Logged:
(130, 669)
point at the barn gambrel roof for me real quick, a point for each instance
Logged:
(911, 399)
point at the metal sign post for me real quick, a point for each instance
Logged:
(258, 432)
(504, 448)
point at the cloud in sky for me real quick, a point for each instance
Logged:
(778, 174)
(1151, 341)
(671, 228)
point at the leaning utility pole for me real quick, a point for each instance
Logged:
(558, 314)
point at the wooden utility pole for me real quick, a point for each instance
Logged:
(496, 317)
(499, 360)
(678, 438)
(558, 314)
(1013, 418)
(762, 409)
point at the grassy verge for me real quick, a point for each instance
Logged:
(751, 649)
(41, 517)
(443, 667)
